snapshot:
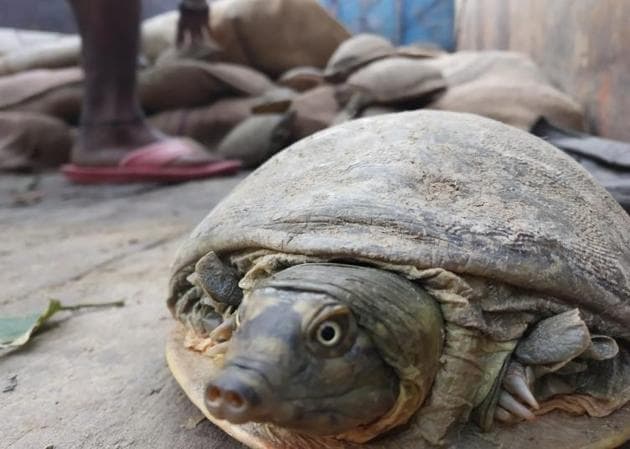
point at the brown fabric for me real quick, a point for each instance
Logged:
(314, 110)
(30, 141)
(275, 35)
(12, 39)
(63, 52)
(354, 53)
(302, 78)
(186, 84)
(55, 92)
(274, 101)
(20, 87)
(257, 138)
(505, 86)
(396, 80)
(157, 35)
(208, 51)
(208, 125)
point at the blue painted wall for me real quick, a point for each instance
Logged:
(401, 21)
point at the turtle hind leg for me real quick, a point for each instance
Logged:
(516, 395)
(551, 344)
(559, 359)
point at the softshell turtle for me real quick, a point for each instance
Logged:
(409, 280)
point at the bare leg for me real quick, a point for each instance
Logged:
(112, 120)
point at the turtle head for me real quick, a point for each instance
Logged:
(329, 349)
(299, 360)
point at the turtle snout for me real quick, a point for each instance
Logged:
(237, 396)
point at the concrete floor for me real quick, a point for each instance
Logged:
(96, 379)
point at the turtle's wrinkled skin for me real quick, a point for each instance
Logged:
(423, 268)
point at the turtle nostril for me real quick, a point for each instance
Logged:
(213, 394)
(235, 400)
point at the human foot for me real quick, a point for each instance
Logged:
(127, 152)
(107, 143)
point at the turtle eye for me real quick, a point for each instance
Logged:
(329, 333)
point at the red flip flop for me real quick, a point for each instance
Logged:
(152, 163)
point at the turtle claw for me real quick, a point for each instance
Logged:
(515, 394)
(511, 405)
(501, 414)
(217, 349)
(515, 382)
(223, 332)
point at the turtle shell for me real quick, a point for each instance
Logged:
(430, 190)
(435, 189)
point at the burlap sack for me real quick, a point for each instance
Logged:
(314, 110)
(276, 35)
(356, 52)
(270, 35)
(505, 86)
(208, 125)
(55, 92)
(157, 35)
(61, 52)
(256, 139)
(186, 84)
(302, 78)
(274, 101)
(12, 39)
(397, 80)
(32, 141)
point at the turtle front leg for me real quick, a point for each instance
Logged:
(207, 308)
(552, 343)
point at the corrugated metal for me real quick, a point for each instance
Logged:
(582, 45)
(402, 21)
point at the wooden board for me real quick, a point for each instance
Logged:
(552, 431)
(581, 45)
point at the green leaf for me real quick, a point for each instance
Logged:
(16, 331)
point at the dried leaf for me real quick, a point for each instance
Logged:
(193, 422)
(16, 331)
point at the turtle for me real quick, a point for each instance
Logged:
(414, 279)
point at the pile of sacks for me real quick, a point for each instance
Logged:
(278, 71)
